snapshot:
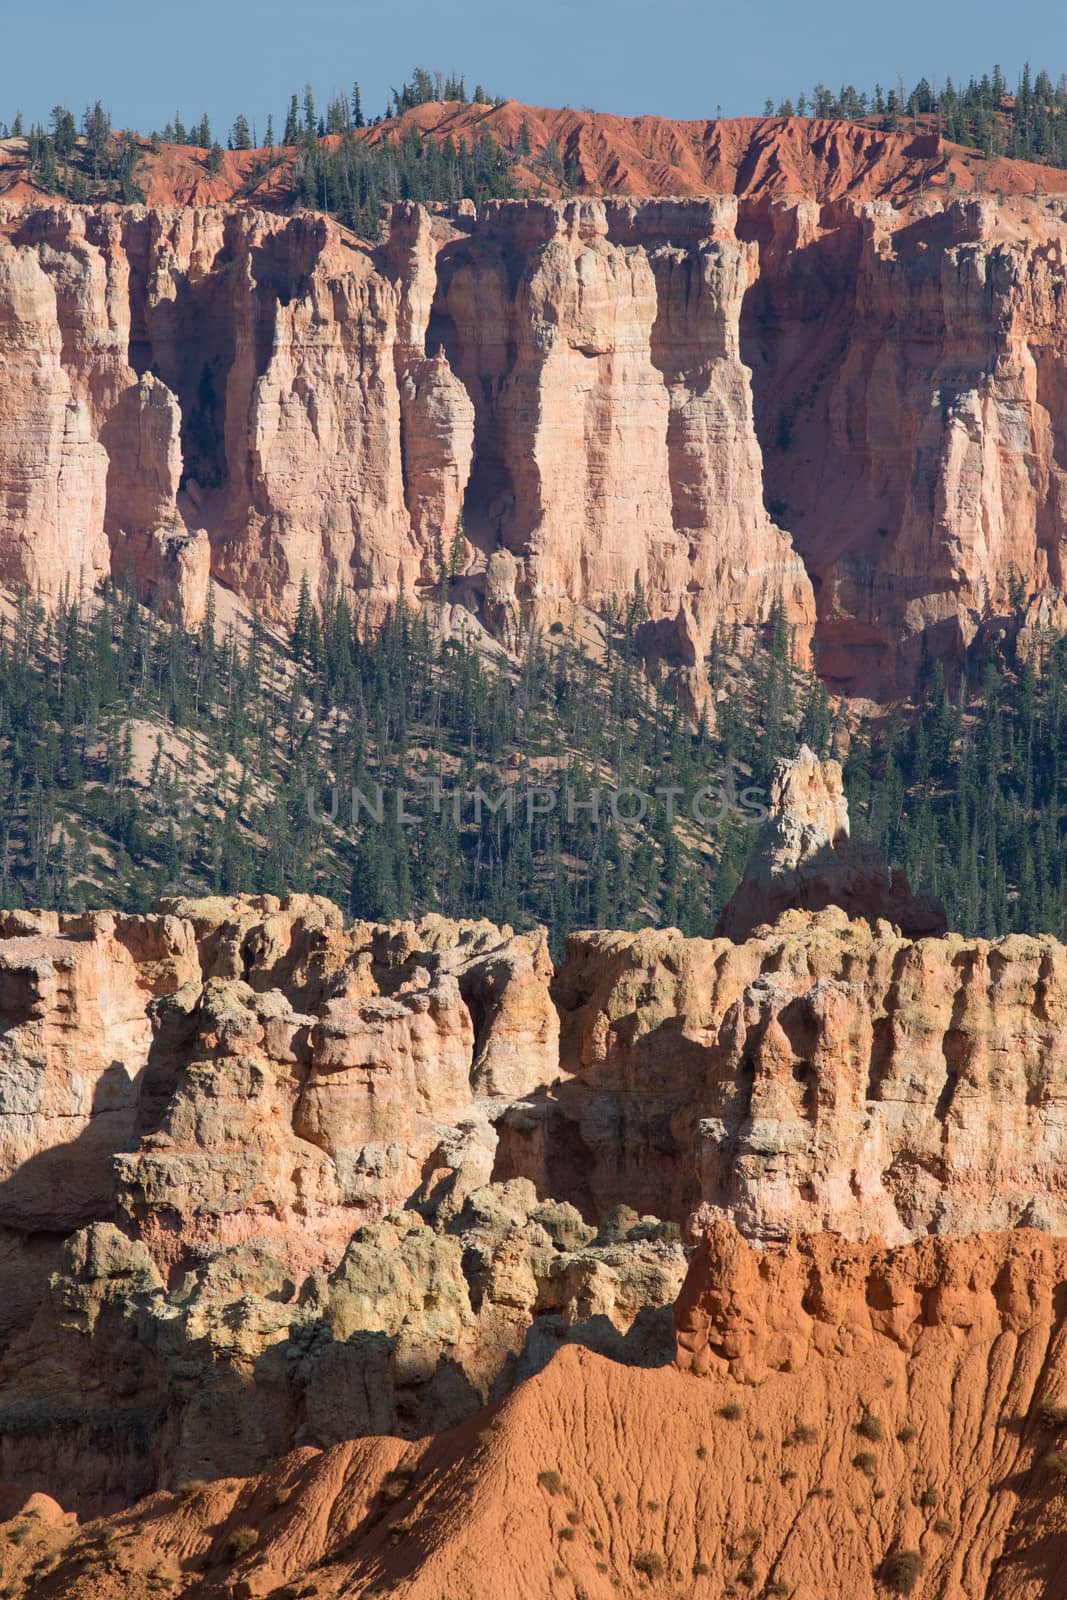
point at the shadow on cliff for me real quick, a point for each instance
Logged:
(69, 1185)
(598, 1142)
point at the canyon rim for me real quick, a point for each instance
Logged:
(535, 1199)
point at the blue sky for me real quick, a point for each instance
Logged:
(677, 57)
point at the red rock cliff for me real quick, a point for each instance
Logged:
(853, 408)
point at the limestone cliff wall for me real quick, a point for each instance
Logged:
(855, 409)
(317, 1180)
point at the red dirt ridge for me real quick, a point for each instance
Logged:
(765, 157)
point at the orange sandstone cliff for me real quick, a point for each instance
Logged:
(840, 1420)
(849, 408)
(325, 1181)
(341, 1259)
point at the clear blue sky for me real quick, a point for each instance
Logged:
(676, 57)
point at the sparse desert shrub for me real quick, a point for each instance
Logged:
(929, 1498)
(865, 1461)
(702, 1452)
(748, 1576)
(942, 1525)
(870, 1427)
(778, 1587)
(732, 1412)
(652, 1505)
(900, 1571)
(574, 1516)
(240, 1542)
(700, 1569)
(788, 1475)
(1053, 1415)
(282, 1497)
(907, 1433)
(550, 1480)
(192, 1488)
(650, 1564)
(1056, 1462)
(566, 1533)
(803, 1433)
(396, 1484)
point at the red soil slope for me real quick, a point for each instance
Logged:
(769, 157)
(765, 156)
(856, 1406)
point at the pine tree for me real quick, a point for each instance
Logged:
(64, 131)
(298, 639)
(292, 122)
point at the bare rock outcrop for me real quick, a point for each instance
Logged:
(839, 1408)
(75, 1052)
(269, 1178)
(548, 403)
(422, 1321)
(745, 1315)
(806, 860)
(826, 1073)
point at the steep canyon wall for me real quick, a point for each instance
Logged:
(853, 409)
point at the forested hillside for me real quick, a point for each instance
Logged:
(335, 158)
(136, 756)
(1027, 121)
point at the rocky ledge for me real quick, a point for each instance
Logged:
(323, 1179)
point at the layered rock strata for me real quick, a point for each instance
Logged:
(847, 1420)
(553, 403)
(310, 1176)
(124, 1385)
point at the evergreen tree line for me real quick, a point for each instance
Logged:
(352, 180)
(969, 795)
(1029, 123)
(136, 757)
(97, 161)
(343, 112)
(334, 170)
